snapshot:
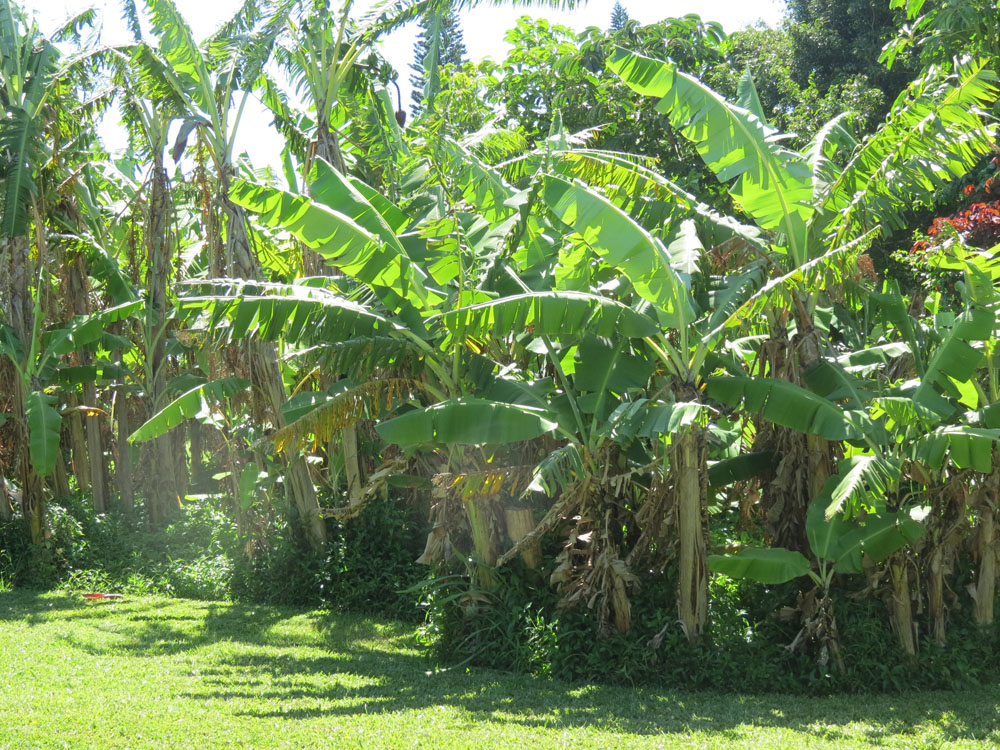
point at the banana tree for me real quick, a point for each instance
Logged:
(838, 545)
(210, 87)
(30, 97)
(817, 206)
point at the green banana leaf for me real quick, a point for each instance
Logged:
(186, 406)
(86, 329)
(296, 313)
(771, 565)
(341, 194)
(622, 243)
(186, 72)
(955, 357)
(858, 478)
(824, 534)
(355, 250)
(103, 373)
(843, 542)
(935, 134)
(651, 419)
(745, 466)
(876, 537)
(248, 485)
(548, 314)
(623, 176)
(771, 184)
(966, 447)
(482, 186)
(786, 404)
(30, 61)
(44, 423)
(467, 421)
(601, 366)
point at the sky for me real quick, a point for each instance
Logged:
(483, 30)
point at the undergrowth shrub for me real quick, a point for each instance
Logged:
(371, 564)
(520, 628)
(368, 567)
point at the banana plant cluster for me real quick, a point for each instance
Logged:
(576, 362)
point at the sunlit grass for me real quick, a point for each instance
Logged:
(169, 673)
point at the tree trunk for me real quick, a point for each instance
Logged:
(265, 372)
(520, 523)
(162, 494)
(95, 450)
(123, 459)
(902, 607)
(6, 512)
(78, 446)
(199, 474)
(60, 479)
(32, 488)
(76, 279)
(480, 511)
(691, 503)
(352, 464)
(986, 577)
(20, 315)
(935, 596)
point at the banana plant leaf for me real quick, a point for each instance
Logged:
(766, 565)
(935, 134)
(248, 485)
(103, 373)
(876, 537)
(966, 447)
(356, 251)
(858, 478)
(86, 329)
(843, 542)
(296, 313)
(746, 466)
(955, 357)
(602, 367)
(44, 423)
(622, 243)
(338, 193)
(652, 419)
(467, 421)
(549, 314)
(772, 184)
(188, 405)
(786, 404)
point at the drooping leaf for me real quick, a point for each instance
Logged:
(766, 565)
(467, 421)
(746, 466)
(770, 183)
(935, 133)
(342, 407)
(44, 423)
(356, 251)
(625, 245)
(786, 404)
(857, 478)
(248, 485)
(549, 314)
(966, 447)
(188, 405)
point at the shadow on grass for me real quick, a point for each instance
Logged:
(343, 665)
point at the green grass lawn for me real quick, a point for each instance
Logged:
(169, 673)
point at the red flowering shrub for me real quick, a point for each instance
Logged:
(978, 225)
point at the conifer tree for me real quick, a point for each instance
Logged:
(451, 50)
(619, 17)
